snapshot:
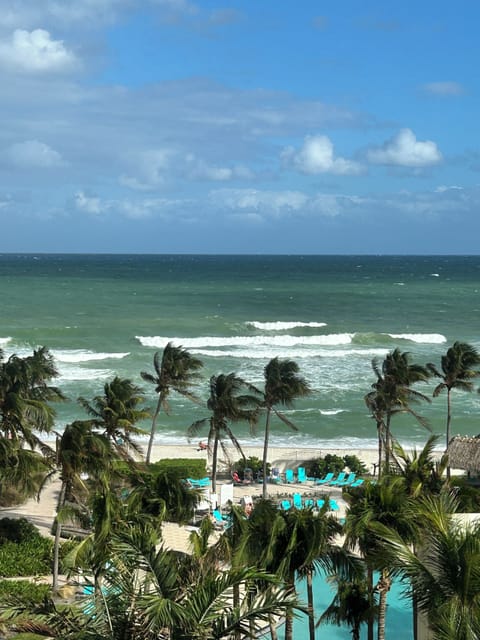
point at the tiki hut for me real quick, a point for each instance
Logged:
(464, 453)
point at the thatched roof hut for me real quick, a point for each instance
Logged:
(464, 453)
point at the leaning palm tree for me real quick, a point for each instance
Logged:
(392, 392)
(282, 386)
(231, 399)
(459, 366)
(176, 371)
(117, 412)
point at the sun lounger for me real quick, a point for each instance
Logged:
(333, 504)
(326, 479)
(301, 475)
(289, 476)
(357, 483)
(340, 478)
(308, 503)
(320, 504)
(297, 500)
(202, 482)
(219, 521)
(285, 505)
(347, 481)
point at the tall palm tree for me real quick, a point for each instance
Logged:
(384, 503)
(459, 367)
(231, 399)
(421, 471)
(444, 572)
(175, 371)
(117, 412)
(79, 450)
(393, 393)
(282, 386)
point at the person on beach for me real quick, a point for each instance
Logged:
(202, 446)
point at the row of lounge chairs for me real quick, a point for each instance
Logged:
(342, 480)
(298, 502)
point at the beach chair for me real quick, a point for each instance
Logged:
(285, 505)
(289, 476)
(333, 505)
(338, 479)
(219, 521)
(308, 503)
(320, 503)
(196, 483)
(350, 479)
(357, 483)
(301, 475)
(275, 475)
(297, 501)
(326, 479)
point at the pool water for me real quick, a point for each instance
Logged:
(399, 619)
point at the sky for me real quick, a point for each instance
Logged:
(248, 126)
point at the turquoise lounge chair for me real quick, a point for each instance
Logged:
(297, 500)
(202, 482)
(320, 504)
(219, 520)
(326, 479)
(333, 505)
(289, 476)
(301, 475)
(308, 503)
(349, 480)
(340, 478)
(285, 505)
(357, 483)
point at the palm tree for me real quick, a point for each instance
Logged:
(175, 371)
(352, 605)
(117, 412)
(445, 572)
(228, 402)
(459, 366)
(79, 450)
(384, 503)
(26, 396)
(282, 386)
(392, 392)
(421, 471)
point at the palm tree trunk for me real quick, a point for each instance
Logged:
(370, 595)
(265, 453)
(56, 543)
(380, 447)
(214, 465)
(152, 430)
(383, 588)
(290, 582)
(311, 617)
(449, 418)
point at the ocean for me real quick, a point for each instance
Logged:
(106, 315)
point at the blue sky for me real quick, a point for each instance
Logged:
(170, 126)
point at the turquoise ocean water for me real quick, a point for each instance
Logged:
(107, 315)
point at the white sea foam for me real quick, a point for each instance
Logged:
(268, 352)
(283, 326)
(84, 355)
(425, 338)
(4, 341)
(71, 373)
(435, 275)
(207, 342)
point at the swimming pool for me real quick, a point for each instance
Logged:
(399, 621)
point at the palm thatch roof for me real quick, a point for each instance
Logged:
(464, 453)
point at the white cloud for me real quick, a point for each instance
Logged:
(32, 153)
(256, 201)
(443, 88)
(35, 51)
(404, 150)
(89, 204)
(317, 156)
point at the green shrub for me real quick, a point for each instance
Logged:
(25, 591)
(17, 530)
(320, 466)
(180, 468)
(28, 558)
(355, 465)
(468, 495)
(253, 463)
